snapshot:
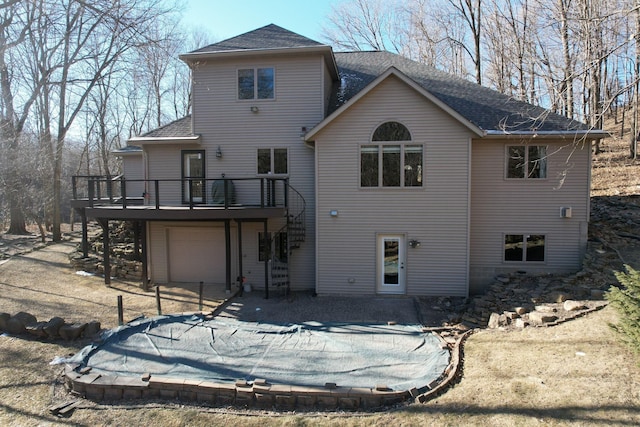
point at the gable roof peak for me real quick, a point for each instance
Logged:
(268, 37)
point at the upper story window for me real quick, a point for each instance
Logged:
(256, 83)
(272, 161)
(527, 161)
(394, 161)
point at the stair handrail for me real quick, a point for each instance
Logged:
(295, 213)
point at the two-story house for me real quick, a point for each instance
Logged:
(348, 173)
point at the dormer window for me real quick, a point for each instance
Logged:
(256, 83)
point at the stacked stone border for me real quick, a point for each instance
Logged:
(259, 393)
(24, 323)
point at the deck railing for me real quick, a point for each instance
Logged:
(100, 190)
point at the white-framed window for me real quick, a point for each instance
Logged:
(272, 161)
(256, 83)
(524, 247)
(526, 162)
(391, 160)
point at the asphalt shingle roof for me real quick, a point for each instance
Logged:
(484, 107)
(177, 128)
(268, 37)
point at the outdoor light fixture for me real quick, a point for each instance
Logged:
(333, 213)
(219, 152)
(254, 109)
(414, 243)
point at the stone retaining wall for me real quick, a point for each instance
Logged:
(260, 393)
(55, 328)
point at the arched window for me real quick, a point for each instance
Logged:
(391, 131)
(394, 161)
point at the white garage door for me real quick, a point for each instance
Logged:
(196, 254)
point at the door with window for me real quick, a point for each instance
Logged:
(193, 176)
(391, 264)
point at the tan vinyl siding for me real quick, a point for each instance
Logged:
(328, 85)
(223, 121)
(435, 214)
(165, 163)
(510, 206)
(159, 235)
(132, 169)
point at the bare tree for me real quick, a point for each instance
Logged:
(86, 40)
(366, 24)
(471, 13)
(16, 19)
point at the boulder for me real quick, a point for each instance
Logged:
(3, 321)
(92, 329)
(26, 318)
(52, 327)
(520, 323)
(497, 320)
(71, 331)
(540, 318)
(37, 329)
(494, 321)
(571, 305)
(521, 310)
(15, 326)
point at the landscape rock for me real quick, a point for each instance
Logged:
(36, 329)
(546, 309)
(92, 329)
(494, 321)
(521, 311)
(3, 321)
(571, 305)
(15, 326)
(540, 318)
(520, 323)
(26, 318)
(72, 331)
(52, 327)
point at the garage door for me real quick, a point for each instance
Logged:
(196, 254)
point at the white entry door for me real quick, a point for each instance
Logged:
(391, 260)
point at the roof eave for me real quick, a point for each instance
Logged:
(564, 134)
(325, 50)
(126, 153)
(142, 140)
(393, 71)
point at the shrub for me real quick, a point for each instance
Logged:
(627, 300)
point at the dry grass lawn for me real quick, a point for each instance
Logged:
(576, 373)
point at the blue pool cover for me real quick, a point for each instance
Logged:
(308, 354)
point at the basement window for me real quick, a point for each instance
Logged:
(524, 247)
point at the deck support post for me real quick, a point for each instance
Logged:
(105, 250)
(136, 239)
(227, 244)
(145, 265)
(85, 232)
(240, 273)
(266, 260)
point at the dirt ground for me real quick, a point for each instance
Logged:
(576, 373)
